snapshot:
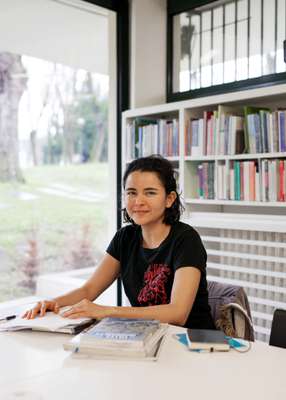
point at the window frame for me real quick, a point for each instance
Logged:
(121, 7)
(175, 7)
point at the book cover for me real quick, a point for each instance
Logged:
(236, 180)
(252, 133)
(282, 121)
(200, 182)
(252, 170)
(281, 192)
(264, 116)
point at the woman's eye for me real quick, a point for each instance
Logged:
(150, 193)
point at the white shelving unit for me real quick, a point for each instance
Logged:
(245, 240)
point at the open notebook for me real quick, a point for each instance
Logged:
(51, 322)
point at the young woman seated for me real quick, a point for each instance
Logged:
(161, 261)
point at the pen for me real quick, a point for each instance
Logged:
(8, 318)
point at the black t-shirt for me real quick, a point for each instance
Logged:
(148, 274)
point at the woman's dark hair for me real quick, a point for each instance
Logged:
(165, 172)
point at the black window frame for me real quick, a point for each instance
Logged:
(121, 7)
(175, 7)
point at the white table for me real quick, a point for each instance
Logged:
(33, 365)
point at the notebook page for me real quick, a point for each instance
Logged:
(50, 321)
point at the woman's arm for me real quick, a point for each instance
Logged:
(184, 290)
(104, 275)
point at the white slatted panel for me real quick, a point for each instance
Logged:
(244, 254)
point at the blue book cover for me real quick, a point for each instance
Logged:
(122, 329)
(282, 131)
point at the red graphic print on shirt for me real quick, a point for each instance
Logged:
(154, 290)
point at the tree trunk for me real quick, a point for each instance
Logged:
(13, 80)
(99, 144)
(33, 135)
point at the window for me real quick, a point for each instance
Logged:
(226, 45)
(57, 155)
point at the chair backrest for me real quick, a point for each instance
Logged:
(278, 329)
(230, 310)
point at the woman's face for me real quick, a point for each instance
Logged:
(146, 198)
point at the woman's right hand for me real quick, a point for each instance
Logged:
(40, 308)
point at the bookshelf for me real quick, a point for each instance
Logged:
(245, 237)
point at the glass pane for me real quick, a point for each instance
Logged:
(255, 39)
(195, 52)
(218, 46)
(226, 41)
(281, 35)
(55, 150)
(242, 41)
(269, 27)
(206, 57)
(229, 58)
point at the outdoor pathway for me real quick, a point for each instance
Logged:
(70, 192)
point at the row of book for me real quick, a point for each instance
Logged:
(152, 136)
(230, 130)
(243, 180)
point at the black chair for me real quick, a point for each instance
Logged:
(278, 329)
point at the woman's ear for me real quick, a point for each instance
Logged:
(171, 197)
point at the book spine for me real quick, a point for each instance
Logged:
(282, 144)
(236, 180)
(281, 196)
(200, 182)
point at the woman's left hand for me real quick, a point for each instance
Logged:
(86, 309)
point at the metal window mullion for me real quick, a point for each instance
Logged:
(248, 36)
(212, 45)
(190, 54)
(235, 40)
(201, 43)
(275, 39)
(261, 35)
(223, 41)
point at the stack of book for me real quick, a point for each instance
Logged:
(120, 338)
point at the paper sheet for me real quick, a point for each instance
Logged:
(50, 321)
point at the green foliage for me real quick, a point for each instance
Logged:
(91, 115)
(57, 223)
(87, 121)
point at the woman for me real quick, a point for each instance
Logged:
(162, 261)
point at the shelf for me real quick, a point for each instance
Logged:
(247, 222)
(245, 240)
(237, 203)
(235, 157)
(172, 159)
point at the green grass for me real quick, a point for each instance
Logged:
(56, 223)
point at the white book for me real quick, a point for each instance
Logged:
(50, 322)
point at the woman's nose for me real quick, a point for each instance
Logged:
(139, 199)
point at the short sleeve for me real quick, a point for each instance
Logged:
(114, 246)
(189, 251)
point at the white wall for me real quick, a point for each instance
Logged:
(148, 52)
